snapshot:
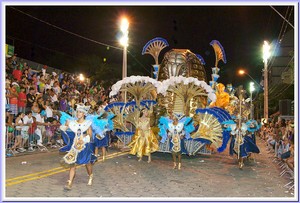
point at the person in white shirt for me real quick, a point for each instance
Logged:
(56, 88)
(47, 85)
(17, 133)
(44, 70)
(27, 120)
(53, 96)
(49, 110)
(40, 130)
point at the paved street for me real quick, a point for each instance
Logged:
(122, 175)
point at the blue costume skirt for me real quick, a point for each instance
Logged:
(103, 142)
(85, 156)
(247, 147)
(182, 147)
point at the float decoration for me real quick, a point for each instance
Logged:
(154, 47)
(220, 55)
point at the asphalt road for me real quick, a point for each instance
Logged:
(122, 176)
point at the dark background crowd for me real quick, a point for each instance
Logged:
(34, 97)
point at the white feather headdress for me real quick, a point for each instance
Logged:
(83, 108)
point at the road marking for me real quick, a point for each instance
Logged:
(39, 175)
(32, 174)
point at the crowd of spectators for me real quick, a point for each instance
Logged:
(279, 138)
(34, 99)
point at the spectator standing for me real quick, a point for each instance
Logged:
(27, 121)
(13, 99)
(17, 74)
(63, 103)
(44, 70)
(7, 94)
(42, 84)
(40, 102)
(32, 136)
(35, 108)
(46, 96)
(30, 99)
(49, 110)
(48, 85)
(34, 82)
(17, 133)
(40, 130)
(56, 88)
(22, 100)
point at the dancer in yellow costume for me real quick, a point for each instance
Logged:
(222, 97)
(144, 141)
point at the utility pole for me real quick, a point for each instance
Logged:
(266, 55)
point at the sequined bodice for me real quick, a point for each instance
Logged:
(144, 123)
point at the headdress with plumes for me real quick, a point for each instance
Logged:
(82, 108)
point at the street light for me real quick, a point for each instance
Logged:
(124, 43)
(252, 89)
(243, 72)
(81, 77)
(266, 55)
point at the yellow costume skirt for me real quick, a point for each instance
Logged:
(143, 143)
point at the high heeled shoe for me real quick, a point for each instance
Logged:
(174, 167)
(179, 166)
(68, 186)
(241, 164)
(90, 182)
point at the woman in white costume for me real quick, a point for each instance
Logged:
(82, 149)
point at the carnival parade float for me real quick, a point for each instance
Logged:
(209, 117)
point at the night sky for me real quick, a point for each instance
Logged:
(240, 29)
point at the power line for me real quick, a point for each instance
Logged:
(275, 86)
(72, 33)
(279, 40)
(282, 17)
(277, 46)
(138, 61)
(80, 36)
(37, 45)
(282, 91)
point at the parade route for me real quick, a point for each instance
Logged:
(150, 102)
(122, 176)
(46, 173)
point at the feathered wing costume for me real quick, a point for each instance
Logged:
(77, 153)
(246, 143)
(101, 124)
(66, 133)
(183, 128)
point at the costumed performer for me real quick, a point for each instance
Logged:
(176, 128)
(144, 142)
(222, 97)
(103, 124)
(81, 150)
(241, 142)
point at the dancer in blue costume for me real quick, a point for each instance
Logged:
(104, 124)
(81, 148)
(176, 128)
(241, 142)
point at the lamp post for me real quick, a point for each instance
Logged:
(252, 88)
(124, 43)
(266, 55)
(243, 72)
